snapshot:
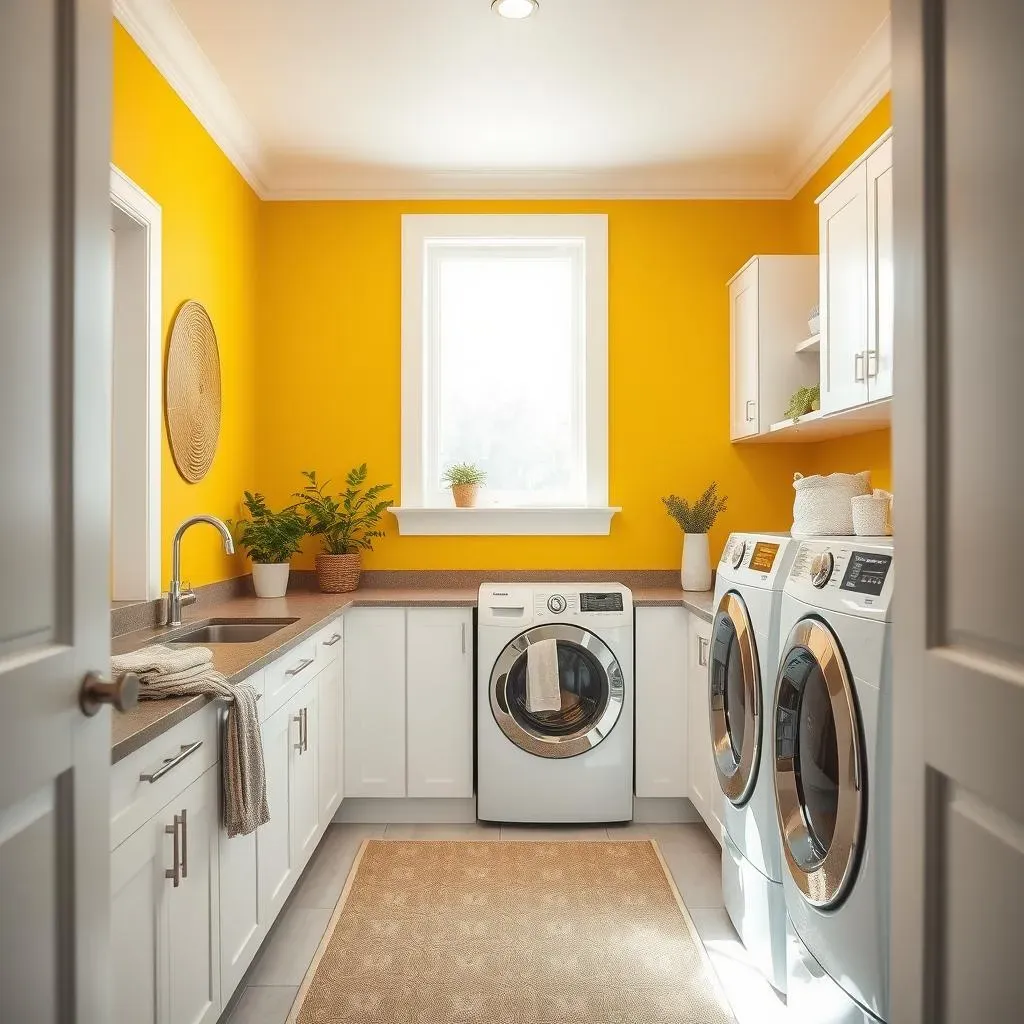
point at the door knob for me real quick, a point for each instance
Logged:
(96, 691)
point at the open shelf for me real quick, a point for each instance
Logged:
(819, 426)
(811, 344)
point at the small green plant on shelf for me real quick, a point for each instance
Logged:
(701, 515)
(346, 523)
(270, 537)
(803, 401)
(463, 474)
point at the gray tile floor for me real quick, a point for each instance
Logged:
(691, 853)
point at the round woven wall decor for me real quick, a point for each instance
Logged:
(193, 391)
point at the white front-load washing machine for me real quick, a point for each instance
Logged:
(741, 684)
(832, 715)
(574, 764)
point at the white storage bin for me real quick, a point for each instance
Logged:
(822, 504)
(872, 514)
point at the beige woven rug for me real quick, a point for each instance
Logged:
(510, 933)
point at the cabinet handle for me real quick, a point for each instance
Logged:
(463, 638)
(872, 364)
(305, 730)
(746, 408)
(304, 664)
(298, 718)
(173, 873)
(184, 844)
(858, 368)
(703, 646)
(333, 640)
(171, 762)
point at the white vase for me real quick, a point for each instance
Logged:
(270, 580)
(696, 572)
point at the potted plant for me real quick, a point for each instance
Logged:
(695, 520)
(271, 538)
(346, 523)
(465, 480)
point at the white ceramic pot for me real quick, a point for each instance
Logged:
(270, 580)
(696, 572)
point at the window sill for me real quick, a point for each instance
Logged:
(504, 522)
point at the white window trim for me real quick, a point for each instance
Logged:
(415, 516)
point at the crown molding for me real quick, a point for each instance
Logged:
(165, 39)
(862, 85)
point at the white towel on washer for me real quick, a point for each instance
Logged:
(543, 692)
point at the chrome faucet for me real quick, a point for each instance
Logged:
(177, 598)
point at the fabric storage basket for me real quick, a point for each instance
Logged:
(872, 514)
(821, 506)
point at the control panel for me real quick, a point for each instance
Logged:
(524, 604)
(757, 560)
(844, 575)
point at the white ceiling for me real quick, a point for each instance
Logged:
(409, 97)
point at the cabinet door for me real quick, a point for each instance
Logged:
(843, 226)
(193, 908)
(242, 925)
(275, 869)
(743, 351)
(880, 273)
(439, 687)
(705, 793)
(138, 918)
(330, 698)
(375, 702)
(303, 808)
(661, 703)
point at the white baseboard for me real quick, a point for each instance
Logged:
(664, 811)
(406, 811)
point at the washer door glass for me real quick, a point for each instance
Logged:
(819, 776)
(734, 680)
(591, 689)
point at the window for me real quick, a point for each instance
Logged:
(505, 365)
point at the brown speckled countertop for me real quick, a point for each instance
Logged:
(151, 718)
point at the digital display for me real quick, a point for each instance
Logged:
(866, 573)
(763, 557)
(601, 602)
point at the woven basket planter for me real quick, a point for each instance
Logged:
(338, 574)
(465, 495)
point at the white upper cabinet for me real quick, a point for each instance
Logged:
(439, 685)
(770, 299)
(855, 229)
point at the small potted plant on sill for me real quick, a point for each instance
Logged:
(347, 525)
(271, 538)
(695, 520)
(465, 480)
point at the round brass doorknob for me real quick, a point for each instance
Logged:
(96, 691)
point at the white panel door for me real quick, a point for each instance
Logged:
(843, 226)
(242, 925)
(881, 280)
(138, 926)
(55, 412)
(707, 794)
(439, 687)
(330, 698)
(661, 703)
(375, 702)
(275, 868)
(303, 806)
(743, 345)
(193, 907)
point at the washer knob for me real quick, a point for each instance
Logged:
(556, 604)
(821, 569)
(739, 549)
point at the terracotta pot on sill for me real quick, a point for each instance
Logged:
(465, 495)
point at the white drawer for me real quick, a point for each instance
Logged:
(329, 642)
(134, 800)
(286, 675)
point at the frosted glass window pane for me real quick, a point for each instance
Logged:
(508, 375)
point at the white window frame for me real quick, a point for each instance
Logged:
(421, 512)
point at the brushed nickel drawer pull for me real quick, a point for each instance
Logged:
(333, 640)
(184, 844)
(305, 730)
(173, 873)
(304, 664)
(703, 645)
(187, 749)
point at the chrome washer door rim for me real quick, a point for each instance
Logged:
(824, 879)
(736, 775)
(534, 742)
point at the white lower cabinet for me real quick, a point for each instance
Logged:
(303, 806)
(662, 738)
(330, 687)
(276, 869)
(704, 791)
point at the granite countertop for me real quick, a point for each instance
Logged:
(151, 718)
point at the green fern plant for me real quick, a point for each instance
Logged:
(463, 473)
(347, 523)
(270, 537)
(701, 515)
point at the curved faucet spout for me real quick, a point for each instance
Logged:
(175, 596)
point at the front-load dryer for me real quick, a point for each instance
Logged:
(741, 683)
(574, 764)
(832, 714)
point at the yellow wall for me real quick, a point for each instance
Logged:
(210, 220)
(863, 451)
(329, 373)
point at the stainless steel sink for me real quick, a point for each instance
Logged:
(228, 631)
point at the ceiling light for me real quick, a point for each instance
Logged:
(514, 8)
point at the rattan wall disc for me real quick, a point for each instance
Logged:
(193, 391)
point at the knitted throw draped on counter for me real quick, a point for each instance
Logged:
(189, 672)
